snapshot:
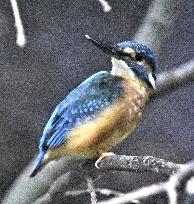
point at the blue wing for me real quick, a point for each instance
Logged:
(81, 105)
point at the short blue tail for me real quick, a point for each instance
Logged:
(38, 162)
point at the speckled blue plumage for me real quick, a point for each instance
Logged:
(80, 106)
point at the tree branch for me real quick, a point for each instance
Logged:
(139, 164)
(21, 38)
(174, 187)
(27, 190)
(105, 5)
(159, 22)
(115, 163)
(172, 79)
(91, 190)
(102, 191)
(137, 194)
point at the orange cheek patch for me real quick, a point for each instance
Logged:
(129, 50)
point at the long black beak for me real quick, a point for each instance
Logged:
(108, 49)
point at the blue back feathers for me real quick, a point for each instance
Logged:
(82, 104)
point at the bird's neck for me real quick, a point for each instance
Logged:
(120, 68)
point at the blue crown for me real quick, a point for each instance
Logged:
(141, 49)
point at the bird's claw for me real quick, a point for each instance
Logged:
(105, 154)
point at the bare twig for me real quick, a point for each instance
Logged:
(177, 186)
(106, 192)
(138, 194)
(21, 39)
(103, 191)
(174, 188)
(105, 5)
(91, 190)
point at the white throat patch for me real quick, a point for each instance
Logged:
(152, 81)
(120, 68)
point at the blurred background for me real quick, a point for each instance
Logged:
(57, 58)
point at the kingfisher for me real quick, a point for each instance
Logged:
(104, 109)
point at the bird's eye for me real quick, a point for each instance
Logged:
(139, 57)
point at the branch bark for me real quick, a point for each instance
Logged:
(114, 163)
(139, 164)
(27, 190)
(158, 23)
(170, 80)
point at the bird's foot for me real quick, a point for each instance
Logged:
(105, 154)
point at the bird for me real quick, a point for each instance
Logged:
(104, 109)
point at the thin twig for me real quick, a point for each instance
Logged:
(91, 190)
(137, 194)
(173, 187)
(103, 191)
(21, 38)
(108, 192)
(105, 5)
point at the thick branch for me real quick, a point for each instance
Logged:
(139, 164)
(115, 163)
(172, 79)
(159, 22)
(27, 190)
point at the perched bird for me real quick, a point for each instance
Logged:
(102, 110)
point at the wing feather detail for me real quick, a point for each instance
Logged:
(81, 105)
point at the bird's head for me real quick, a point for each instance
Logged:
(130, 58)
